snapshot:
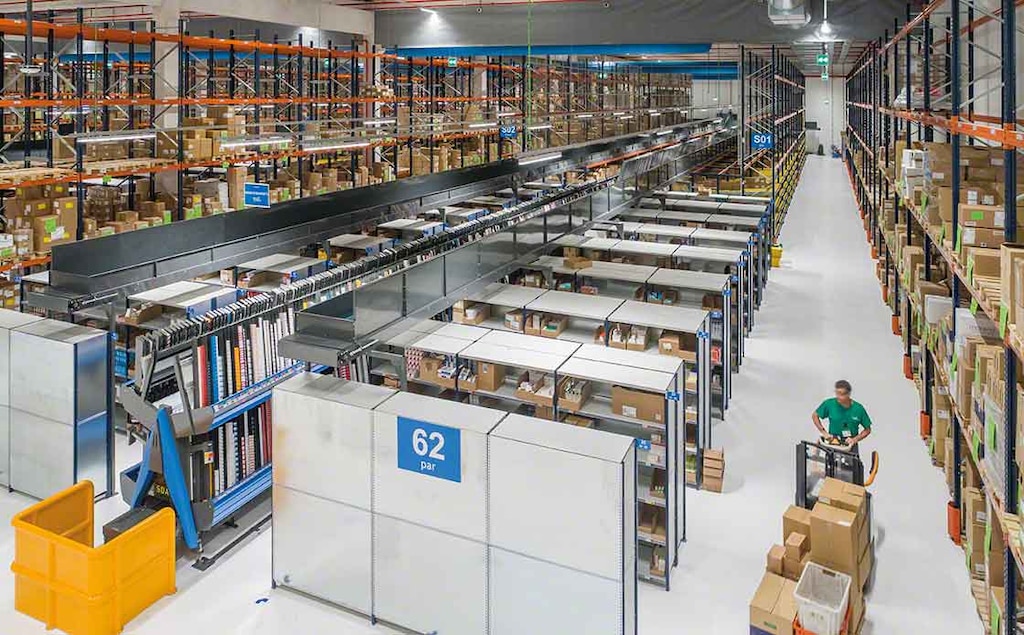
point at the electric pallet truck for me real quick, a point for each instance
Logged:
(830, 457)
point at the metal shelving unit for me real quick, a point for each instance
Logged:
(925, 82)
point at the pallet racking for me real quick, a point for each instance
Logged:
(297, 107)
(771, 107)
(928, 80)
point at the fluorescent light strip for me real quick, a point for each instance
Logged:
(585, 115)
(543, 126)
(541, 159)
(340, 146)
(510, 113)
(618, 114)
(379, 122)
(626, 117)
(486, 124)
(653, 112)
(664, 132)
(117, 137)
(269, 141)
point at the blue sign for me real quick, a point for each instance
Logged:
(671, 395)
(507, 132)
(430, 449)
(762, 140)
(643, 444)
(256, 194)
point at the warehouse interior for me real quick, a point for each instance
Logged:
(455, 317)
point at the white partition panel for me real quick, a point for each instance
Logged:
(448, 440)
(323, 548)
(5, 445)
(563, 529)
(323, 437)
(537, 597)
(429, 581)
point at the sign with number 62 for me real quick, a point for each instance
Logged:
(427, 448)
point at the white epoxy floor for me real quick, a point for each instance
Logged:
(822, 320)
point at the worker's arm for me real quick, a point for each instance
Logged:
(865, 433)
(865, 430)
(817, 423)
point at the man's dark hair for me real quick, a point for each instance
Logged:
(842, 384)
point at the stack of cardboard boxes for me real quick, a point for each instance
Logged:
(836, 535)
(40, 216)
(713, 473)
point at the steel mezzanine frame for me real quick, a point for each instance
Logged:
(887, 69)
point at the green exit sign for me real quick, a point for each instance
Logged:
(823, 59)
(453, 62)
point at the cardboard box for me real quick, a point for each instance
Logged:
(982, 216)
(796, 546)
(797, 520)
(775, 556)
(793, 569)
(638, 404)
(834, 538)
(490, 377)
(50, 230)
(985, 237)
(773, 607)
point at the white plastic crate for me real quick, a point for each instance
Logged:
(822, 597)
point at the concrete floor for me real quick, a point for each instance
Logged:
(822, 320)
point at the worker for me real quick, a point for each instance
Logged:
(848, 421)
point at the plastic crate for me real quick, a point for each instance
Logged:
(822, 596)
(63, 581)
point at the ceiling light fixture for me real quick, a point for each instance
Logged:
(425, 10)
(541, 126)
(485, 124)
(379, 122)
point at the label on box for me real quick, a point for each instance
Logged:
(629, 411)
(6, 240)
(57, 234)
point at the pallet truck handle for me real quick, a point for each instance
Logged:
(874, 469)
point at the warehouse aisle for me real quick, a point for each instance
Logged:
(822, 320)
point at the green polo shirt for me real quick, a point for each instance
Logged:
(843, 422)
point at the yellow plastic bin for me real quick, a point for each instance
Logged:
(776, 255)
(62, 580)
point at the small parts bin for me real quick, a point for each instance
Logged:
(62, 580)
(823, 597)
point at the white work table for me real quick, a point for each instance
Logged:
(600, 270)
(400, 223)
(281, 263)
(642, 248)
(683, 279)
(757, 209)
(608, 373)
(721, 235)
(517, 357)
(499, 294)
(631, 359)
(358, 241)
(577, 305)
(183, 295)
(434, 343)
(536, 343)
(710, 254)
(660, 316)
(671, 231)
(752, 222)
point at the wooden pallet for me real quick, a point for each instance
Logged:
(980, 592)
(98, 168)
(13, 177)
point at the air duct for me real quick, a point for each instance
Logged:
(792, 13)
